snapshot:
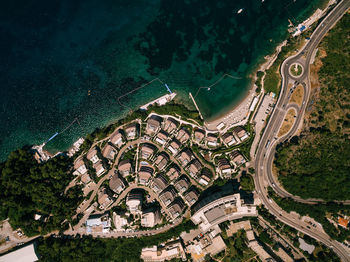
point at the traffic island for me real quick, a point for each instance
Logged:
(296, 70)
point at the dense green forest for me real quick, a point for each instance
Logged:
(317, 164)
(84, 248)
(246, 181)
(317, 167)
(176, 109)
(28, 188)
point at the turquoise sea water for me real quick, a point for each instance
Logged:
(63, 60)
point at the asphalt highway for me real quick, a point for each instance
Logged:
(269, 140)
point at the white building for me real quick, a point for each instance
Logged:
(98, 223)
(92, 156)
(99, 168)
(80, 166)
(24, 254)
(119, 222)
(213, 210)
(134, 201)
(165, 252)
(150, 218)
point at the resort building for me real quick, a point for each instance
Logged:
(173, 172)
(228, 139)
(241, 133)
(257, 247)
(108, 151)
(194, 167)
(92, 156)
(117, 138)
(182, 184)
(174, 146)
(80, 166)
(145, 174)
(169, 251)
(159, 184)
(85, 178)
(120, 222)
(168, 195)
(191, 196)
(176, 208)
(116, 184)
(183, 135)
(98, 224)
(134, 201)
(199, 135)
(147, 150)
(185, 156)
(131, 131)
(170, 125)
(161, 160)
(23, 254)
(207, 245)
(216, 245)
(150, 217)
(237, 158)
(212, 140)
(219, 207)
(162, 137)
(205, 177)
(103, 198)
(125, 167)
(153, 125)
(99, 168)
(224, 166)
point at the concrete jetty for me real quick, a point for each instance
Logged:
(195, 104)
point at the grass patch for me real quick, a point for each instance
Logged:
(298, 95)
(296, 70)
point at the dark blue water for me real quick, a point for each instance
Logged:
(65, 60)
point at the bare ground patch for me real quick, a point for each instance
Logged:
(315, 86)
(287, 122)
(297, 96)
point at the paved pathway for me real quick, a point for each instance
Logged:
(82, 231)
(264, 149)
(81, 209)
(84, 208)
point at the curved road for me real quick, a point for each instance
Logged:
(269, 137)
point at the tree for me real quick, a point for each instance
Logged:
(28, 188)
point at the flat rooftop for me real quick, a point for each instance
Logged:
(214, 214)
(24, 254)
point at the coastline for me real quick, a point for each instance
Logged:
(239, 112)
(65, 142)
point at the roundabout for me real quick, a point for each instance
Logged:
(296, 70)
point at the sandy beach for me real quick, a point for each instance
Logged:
(238, 114)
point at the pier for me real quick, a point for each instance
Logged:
(159, 101)
(195, 104)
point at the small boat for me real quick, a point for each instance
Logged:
(240, 11)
